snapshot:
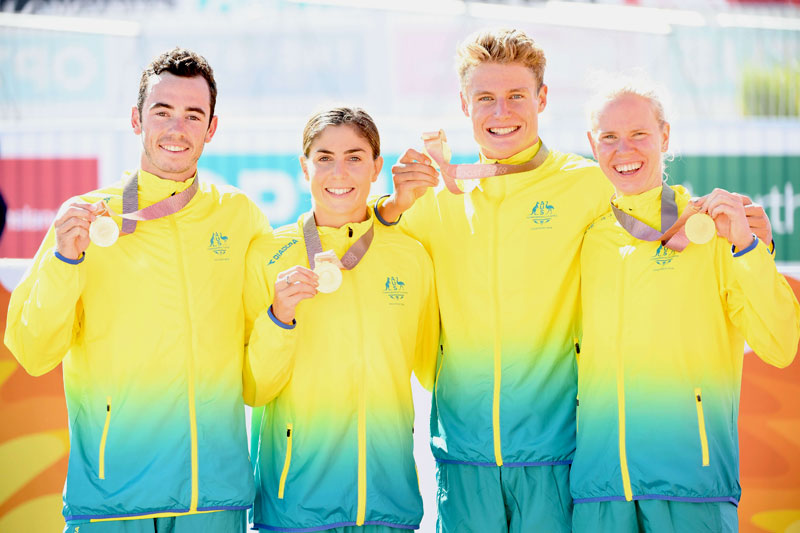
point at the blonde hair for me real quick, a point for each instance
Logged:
(499, 46)
(610, 88)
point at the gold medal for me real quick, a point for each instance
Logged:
(700, 228)
(330, 277)
(103, 231)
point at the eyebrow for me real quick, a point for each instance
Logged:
(350, 151)
(515, 90)
(159, 105)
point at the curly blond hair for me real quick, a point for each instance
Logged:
(499, 46)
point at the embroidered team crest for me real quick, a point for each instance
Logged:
(219, 244)
(395, 289)
(542, 213)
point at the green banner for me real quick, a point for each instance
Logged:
(772, 181)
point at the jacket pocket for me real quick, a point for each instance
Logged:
(701, 425)
(101, 473)
(286, 462)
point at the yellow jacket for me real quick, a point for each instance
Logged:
(506, 257)
(336, 445)
(150, 332)
(661, 365)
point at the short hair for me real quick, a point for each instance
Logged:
(337, 116)
(179, 62)
(615, 86)
(499, 46)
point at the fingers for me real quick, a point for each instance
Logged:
(413, 156)
(75, 210)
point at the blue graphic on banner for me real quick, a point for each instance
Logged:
(53, 68)
(276, 183)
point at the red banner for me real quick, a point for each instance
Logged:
(33, 190)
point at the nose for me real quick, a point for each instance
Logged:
(624, 145)
(501, 108)
(338, 168)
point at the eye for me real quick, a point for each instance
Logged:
(640, 134)
(355, 158)
(517, 96)
(324, 158)
(608, 137)
(194, 117)
(161, 113)
(484, 98)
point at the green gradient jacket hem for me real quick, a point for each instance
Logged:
(335, 447)
(507, 274)
(661, 365)
(151, 334)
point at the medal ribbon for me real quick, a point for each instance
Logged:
(674, 237)
(351, 257)
(167, 206)
(436, 146)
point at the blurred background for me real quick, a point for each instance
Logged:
(69, 74)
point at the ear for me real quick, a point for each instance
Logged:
(303, 164)
(591, 143)
(665, 137)
(378, 167)
(542, 96)
(212, 128)
(136, 121)
(464, 104)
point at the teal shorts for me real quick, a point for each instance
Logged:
(218, 522)
(655, 516)
(503, 499)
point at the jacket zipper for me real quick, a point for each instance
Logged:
(498, 449)
(191, 370)
(362, 424)
(102, 460)
(701, 425)
(623, 454)
(286, 462)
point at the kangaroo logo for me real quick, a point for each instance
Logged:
(542, 213)
(394, 288)
(663, 256)
(218, 244)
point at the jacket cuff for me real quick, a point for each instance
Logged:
(378, 213)
(278, 322)
(748, 249)
(69, 261)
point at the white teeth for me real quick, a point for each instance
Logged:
(628, 167)
(173, 148)
(339, 191)
(503, 131)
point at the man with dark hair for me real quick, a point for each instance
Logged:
(150, 329)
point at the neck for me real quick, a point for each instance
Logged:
(500, 155)
(337, 220)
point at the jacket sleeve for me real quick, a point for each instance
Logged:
(45, 312)
(427, 347)
(269, 348)
(761, 304)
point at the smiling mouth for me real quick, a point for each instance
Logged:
(502, 132)
(627, 169)
(339, 192)
(173, 148)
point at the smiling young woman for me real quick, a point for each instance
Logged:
(335, 448)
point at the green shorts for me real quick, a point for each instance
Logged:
(218, 522)
(495, 499)
(655, 516)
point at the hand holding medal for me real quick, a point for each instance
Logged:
(329, 269)
(727, 213)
